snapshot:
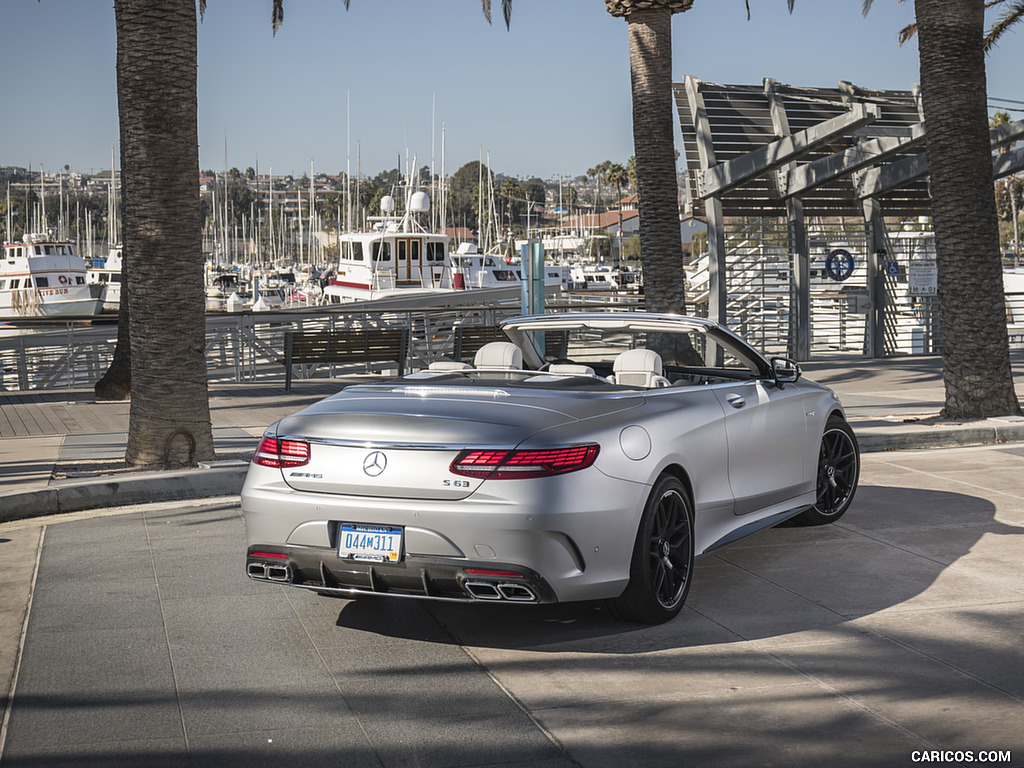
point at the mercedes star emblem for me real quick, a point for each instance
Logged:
(375, 463)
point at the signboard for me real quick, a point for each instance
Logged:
(922, 278)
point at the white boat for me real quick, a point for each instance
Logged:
(398, 257)
(41, 277)
(595, 277)
(108, 277)
(473, 269)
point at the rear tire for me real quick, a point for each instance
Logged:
(838, 474)
(662, 565)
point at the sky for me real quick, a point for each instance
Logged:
(375, 87)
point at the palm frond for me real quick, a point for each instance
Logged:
(506, 11)
(277, 16)
(1009, 17)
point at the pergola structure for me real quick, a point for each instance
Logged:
(791, 152)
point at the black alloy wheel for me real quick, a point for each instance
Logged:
(838, 474)
(662, 566)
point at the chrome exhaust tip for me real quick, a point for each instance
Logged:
(482, 590)
(519, 593)
(278, 573)
(257, 570)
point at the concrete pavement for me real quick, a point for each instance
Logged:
(892, 634)
(131, 636)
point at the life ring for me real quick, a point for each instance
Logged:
(839, 264)
(64, 279)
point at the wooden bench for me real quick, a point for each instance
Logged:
(469, 339)
(362, 345)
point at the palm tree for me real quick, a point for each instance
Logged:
(616, 175)
(1010, 187)
(976, 358)
(649, 28)
(169, 418)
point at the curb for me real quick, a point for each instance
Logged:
(122, 490)
(939, 437)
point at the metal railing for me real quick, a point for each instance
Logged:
(239, 346)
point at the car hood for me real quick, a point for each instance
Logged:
(446, 415)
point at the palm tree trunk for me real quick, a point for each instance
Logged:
(976, 369)
(661, 252)
(169, 419)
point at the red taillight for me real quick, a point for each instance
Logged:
(281, 453)
(272, 555)
(507, 465)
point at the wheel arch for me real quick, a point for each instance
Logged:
(678, 472)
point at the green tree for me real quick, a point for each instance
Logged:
(464, 193)
(1008, 190)
(976, 359)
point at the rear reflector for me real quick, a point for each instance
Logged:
(498, 574)
(522, 464)
(272, 555)
(281, 453)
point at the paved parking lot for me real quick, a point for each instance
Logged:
(893, 632)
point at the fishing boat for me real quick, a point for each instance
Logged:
(397, 257)
(41, 277)
(108, 277)
(472, 268)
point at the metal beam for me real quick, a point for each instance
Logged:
(884, 178)
(862, 155)
(720, 178)
(1008, 163)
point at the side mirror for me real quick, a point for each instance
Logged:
(785, 371)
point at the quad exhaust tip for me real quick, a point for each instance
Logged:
(269, 571)
(494, 591)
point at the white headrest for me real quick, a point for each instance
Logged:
(499, 354)
(637, 360)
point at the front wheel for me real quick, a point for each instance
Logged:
(838, 473)
(662, 565)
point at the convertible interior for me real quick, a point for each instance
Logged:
(635, 367)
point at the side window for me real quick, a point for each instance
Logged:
(357, 251)
(381, 253)
(42, 282)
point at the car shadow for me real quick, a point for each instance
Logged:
(890, 548)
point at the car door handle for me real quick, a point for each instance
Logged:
(736, 401)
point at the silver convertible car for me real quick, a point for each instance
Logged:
(567, 463)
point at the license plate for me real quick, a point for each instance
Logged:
(374, 543)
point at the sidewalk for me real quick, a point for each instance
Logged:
(58, 448)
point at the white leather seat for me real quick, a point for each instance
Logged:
(499, 355)
(639, 368)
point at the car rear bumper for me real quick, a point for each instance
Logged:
(422, 577)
